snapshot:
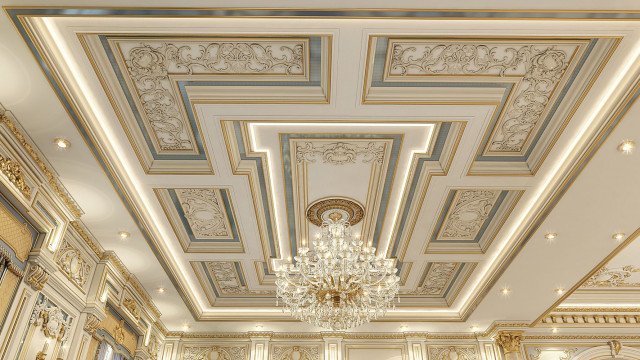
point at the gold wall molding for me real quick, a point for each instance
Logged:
(88, 239)
(583, 320)
(13, 171)
(131, 280)
(7, 119)
(37, 276)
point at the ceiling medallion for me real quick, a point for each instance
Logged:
(322, 210)
(339, 282)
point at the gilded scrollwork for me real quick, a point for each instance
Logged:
(132, 307)
(214, 353)
(453, 353)
(287, 352)
(226, 277)
(541, 67)
(150, 66)
(71, 262)
(340, 153)
(37, 276)
(13, 171)
(469, 210)
(437, 279)
(206, 216)
(53, 321)
(614, 277)
(509, 341)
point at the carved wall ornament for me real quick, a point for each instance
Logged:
(509, 341)
(204, 212)
(282, 352)
(214, 353)
(340, 153)
(118, 332)
(225, 276)
(453, 353)
(13, 171)
(91, 324)
(614, 277)
(54, 322)
(87, 237)
(469, 210)
(132, 306)
(71, 262)
(541, 66)
(150, 66)
(566, 353)
(615, 346)
(7, 120)
(37, 276)
(439, 276)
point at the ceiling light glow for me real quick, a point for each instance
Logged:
(618, 236)
(62, 143)
(626, 147)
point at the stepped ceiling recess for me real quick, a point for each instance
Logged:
(208, 133)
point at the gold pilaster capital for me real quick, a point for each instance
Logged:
(37, 276)
(509, 341)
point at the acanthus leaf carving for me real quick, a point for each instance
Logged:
(453, 353)
(151, 65)
(613, 277)
(340, 153)
(204, 213)
(53, 321)
(438, 277)
(214, 353)
(542, 67)
(227, 279)
(13, 171)
(509, 341)
(468, 212)
(282, 352)
(71, 262)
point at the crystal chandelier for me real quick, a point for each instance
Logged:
(339, 283)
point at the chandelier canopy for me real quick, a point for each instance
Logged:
(339, 282)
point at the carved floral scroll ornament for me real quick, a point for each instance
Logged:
(201, 208)
(214, 353)
(13, 171)
(340, 153)
(454, 353)
(72, 264)
(55, 324)
(469, 211)
(150, 66)
(228, 281)
(544, 67)
(613, 277)
(438, 277)
(296, 353)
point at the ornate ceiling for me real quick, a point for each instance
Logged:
(214, 134)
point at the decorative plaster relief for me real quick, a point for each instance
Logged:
(13, 172)
(624, 276)
(468, 212)
(214, 353)
(281, 352)
(227, 279)
(340, 153)
(438, 278)
(454, 352)
(203, 210)
(54, 322)
(150, 65)
(71, 262)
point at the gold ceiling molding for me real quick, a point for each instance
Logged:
(8, 120)
(590, 274)
(13, 172)
(596, 319)
(131, 279)
(600, 310)
(321, 210)
(581, 337)
(87, 237)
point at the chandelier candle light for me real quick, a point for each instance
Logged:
(339, 283)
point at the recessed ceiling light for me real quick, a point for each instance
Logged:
(554, 330)
(550, 236)
(626, 147)
(559, 291)
(123, 235)
(403, 328)
(186, 326)
(161, 290)
(62, 143)
(505, 291)
(618, 236)
(475, 328)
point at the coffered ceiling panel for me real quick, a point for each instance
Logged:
(226, 140)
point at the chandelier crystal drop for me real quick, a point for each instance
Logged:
(339, 283)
